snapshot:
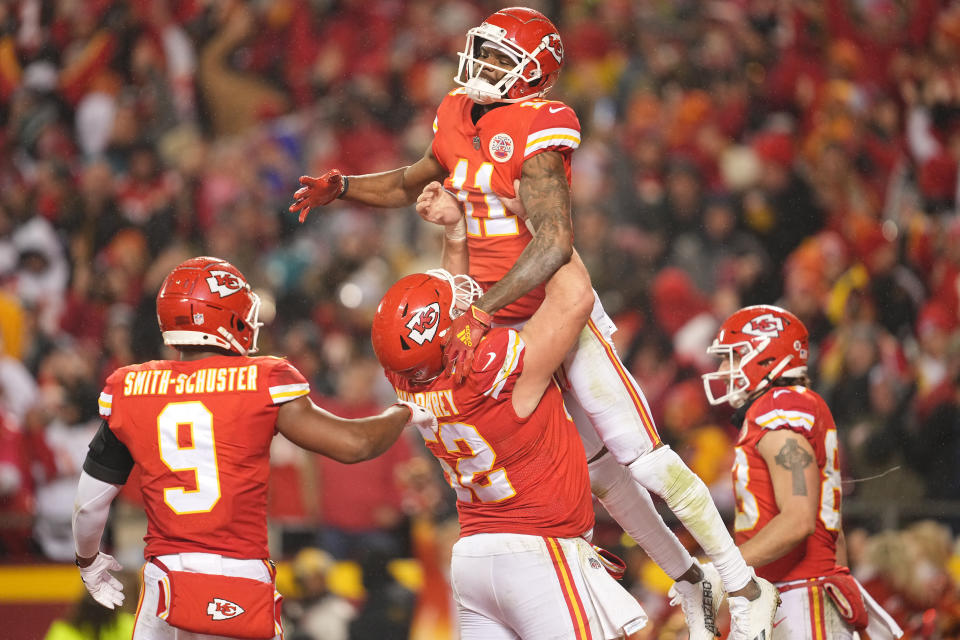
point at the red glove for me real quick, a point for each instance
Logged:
(317, 192)
(462, 338)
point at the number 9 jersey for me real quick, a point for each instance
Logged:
(200, 431)
(483, 160)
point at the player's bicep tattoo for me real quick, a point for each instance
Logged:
(794, 459)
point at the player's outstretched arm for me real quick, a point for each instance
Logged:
(796, 486)
(346, 440)
(396, 188)
(551, 332)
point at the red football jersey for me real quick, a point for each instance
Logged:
(200, 434)
(484, 159)
(511, 475)
(803, 411)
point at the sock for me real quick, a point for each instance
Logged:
(631, 506)
(662, 472)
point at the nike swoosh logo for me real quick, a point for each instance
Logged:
(780, 392)
(778, 621)
(557, 110)
(490, 361)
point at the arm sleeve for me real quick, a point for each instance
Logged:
(108, 459)
(90, 510)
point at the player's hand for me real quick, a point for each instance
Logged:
(514, 205)
(101, 584)
(436, 205)
(317, 192)
(462, 338)
(419, 417)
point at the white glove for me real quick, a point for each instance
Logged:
(419, 417)
(104, 588)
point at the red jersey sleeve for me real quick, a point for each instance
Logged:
(787, 408)
(554, 127)
(497, 363)
(105, 401)
(285, 383)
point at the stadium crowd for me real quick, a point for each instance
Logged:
(800, 152)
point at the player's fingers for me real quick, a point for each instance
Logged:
(309, 181)
(303, 213)
(301, 193)
(104, 599)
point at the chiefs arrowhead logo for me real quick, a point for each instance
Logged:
(551, 42)
(764, 326)
(424, 323)
(220, 609)
(224, 283)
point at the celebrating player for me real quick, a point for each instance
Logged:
(521, 568)
(786, 478)
(492, 131)
(199, 430)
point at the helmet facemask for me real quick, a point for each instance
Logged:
(733, 378)
(465, 289)
(526, 67)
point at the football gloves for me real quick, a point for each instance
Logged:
(101, 584)
(462, 338)
(419, 417)
(317, 192)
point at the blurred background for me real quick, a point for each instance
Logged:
(797, 152)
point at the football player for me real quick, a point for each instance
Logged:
(786, 478)
(522, 567)
(199, 430)
(498, 128)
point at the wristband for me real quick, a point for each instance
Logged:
(344, 183)
(481, 316)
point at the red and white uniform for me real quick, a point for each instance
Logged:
(200, 434)
(511, 475)
(483, 160)
(523, 498)
(806, 611)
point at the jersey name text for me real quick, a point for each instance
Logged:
(157, 382)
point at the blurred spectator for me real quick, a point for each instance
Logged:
(89, 620)
(316, 614)
(360, 504)
(387, 608)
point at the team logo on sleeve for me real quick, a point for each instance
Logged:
(501, 147)
(224, 283)
(764, 326)
(424, 322)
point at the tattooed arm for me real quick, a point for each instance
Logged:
(545, 195)
(796, 486)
